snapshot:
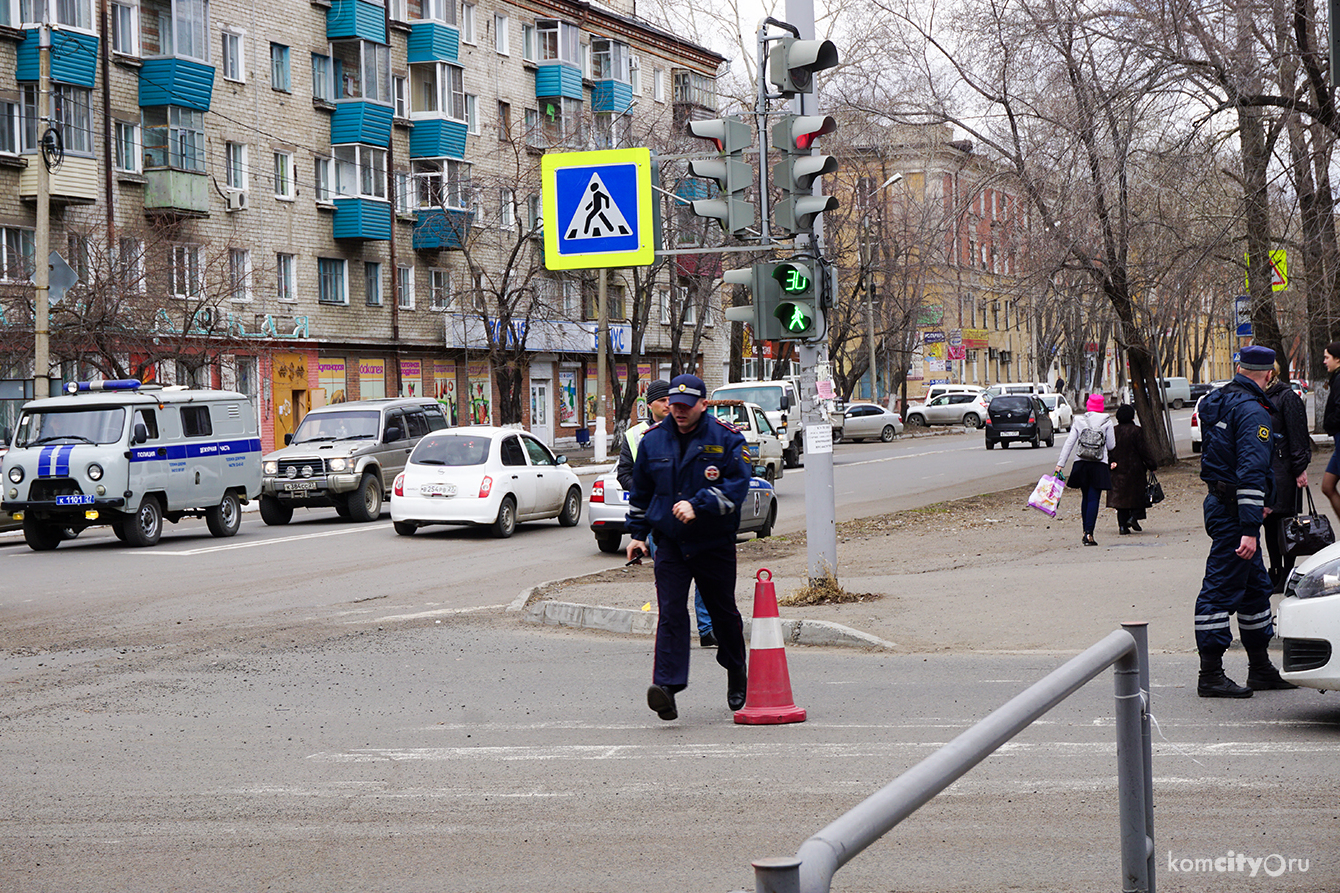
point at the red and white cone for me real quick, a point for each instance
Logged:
(768, 699)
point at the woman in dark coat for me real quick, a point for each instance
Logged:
(1130, 460)
(1289, 460)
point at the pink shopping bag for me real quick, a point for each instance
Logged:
(1047, 495)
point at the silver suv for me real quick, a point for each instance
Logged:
(345, 455)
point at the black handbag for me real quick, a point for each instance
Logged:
(1307, 534)
(1153, 490)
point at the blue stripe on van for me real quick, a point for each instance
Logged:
(197, 450)
(63, 460)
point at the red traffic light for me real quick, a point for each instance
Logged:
(803, 131)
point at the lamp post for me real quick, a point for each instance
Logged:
(870, 284)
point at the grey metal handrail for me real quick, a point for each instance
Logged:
(811, 870)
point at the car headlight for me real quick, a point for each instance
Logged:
(339, 464)
(16, 474)
(1320, 581)
(94, 471)
(270, 467)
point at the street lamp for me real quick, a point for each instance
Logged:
(869, 284)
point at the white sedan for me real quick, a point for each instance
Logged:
(864, 421)
(1309, 622)
(487, 477)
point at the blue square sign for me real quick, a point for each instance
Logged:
(597, 209)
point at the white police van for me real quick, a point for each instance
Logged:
(130, 455)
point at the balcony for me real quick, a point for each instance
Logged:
(363, 219)
(168, 80)
(433, 42)
(356, 19)
(176, 193)
(75, 182)
(74, 58)
(437, 228)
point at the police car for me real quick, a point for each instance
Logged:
(607, 509)
(130, 455)
(1308, 622)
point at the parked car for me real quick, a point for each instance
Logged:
(765, 447)
(950, 409)
(1309, 622)
(345, 456)
(863, 421)
(781, 401)
(1200, 389)
(1195, 418)
(607, 510)
(939, 389)
(1014, 417)
(1060, 411)
(486, 477)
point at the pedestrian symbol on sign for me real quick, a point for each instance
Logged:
(597, 216)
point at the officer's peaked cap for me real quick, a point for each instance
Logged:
(687, 389)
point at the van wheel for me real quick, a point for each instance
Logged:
(572, 508)
(225, 519)
(146, 526)
(40, 536)
(1178, 404)
(505, 525)
(609, 542)
(766, 530)
(771, 474)
(887, 434)
(405, 528)
(365, 503)
(274, 512)
(791, 455)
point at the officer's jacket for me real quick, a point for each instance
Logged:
(1236, 447)
(712, 473)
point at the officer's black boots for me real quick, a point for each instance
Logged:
(737, 686)
(661, 698)
(1262, 675)
(1213, 683)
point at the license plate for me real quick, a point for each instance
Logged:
(290, 486)
(1009, 434)
(437, 490)
(74, 500)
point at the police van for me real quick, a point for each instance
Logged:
(131, 455)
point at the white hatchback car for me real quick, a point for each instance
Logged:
(1059, 409)
(487, 477)
(1309, 621)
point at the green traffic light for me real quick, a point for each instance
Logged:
(795, 318)
(794, 282)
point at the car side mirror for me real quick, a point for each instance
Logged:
(760, 471)
(560, 460)
(786, 401)
(140, 436)
(393, 434)
(288, 439)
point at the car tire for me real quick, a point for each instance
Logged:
(1178, 404)
(274, 512)
(342, 509)
(771, 474)
(365, 503)
(505, 524)
(572, 508)
(609, 542)
(917, 419)
(990, 445)
(145, 527)
(972, 420)
(766, 530)
(1051, 441)
(41, 536)
(837, 435)
(887, 434)
(791, 455)
(405, 528)
(225, 519)
(1035, 443)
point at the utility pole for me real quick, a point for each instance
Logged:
(602, 382)
(42, 235)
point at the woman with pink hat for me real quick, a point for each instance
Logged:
(1091, 436)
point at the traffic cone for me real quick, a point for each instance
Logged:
(768, 698)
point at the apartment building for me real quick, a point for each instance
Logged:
(331, 200)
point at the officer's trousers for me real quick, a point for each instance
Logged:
(1232, 586)
(713, 569)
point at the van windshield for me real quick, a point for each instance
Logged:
(92, 424)
(354, 424)
(768, 398)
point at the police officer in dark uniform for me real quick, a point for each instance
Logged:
(1235, 422)
(689, 478)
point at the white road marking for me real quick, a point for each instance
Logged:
(288, 539)
(441, 612)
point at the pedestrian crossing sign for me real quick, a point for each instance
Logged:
(597, 209)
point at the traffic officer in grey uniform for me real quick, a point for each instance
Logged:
(1236, 431)
(689, 478)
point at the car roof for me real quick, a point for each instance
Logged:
(376, 403)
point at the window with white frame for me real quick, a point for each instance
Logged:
(572, 298)
(233, 62)
(504, 121)
(506, 208)
(559, 41)
(281, 77)
(332, 280)
(174, 137)
(399, 10)
(502, 41)
(125, 27)
(78, 253)
(438, 88)
(528, 42)
(323, 78)
(130, 265)
(658, 84)
(235, 165)
(534, 214)
(71, 111)
(472, 113)
(360, 171)
(404, 193)
(400, 90)
(284, 282)
(126, 146)
(186, 271)
(439, 11)
(239, 274)
(609, 60)
(534, 132)
(10, 123)
(16, 262)
(635, 74)
(439, 289)
(323, 170)
(372, 283)
(663, 304)
(71, 13)
(467, 23)
(405, 285)
(285, 186)
(442, 183)
(182, 29)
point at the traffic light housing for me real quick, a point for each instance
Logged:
(794, 175)
(797, 308)
(793, 62)
(765, 293)
(733, 176)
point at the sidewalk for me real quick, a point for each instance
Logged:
(981, 574)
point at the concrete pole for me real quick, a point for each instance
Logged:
(42, 232)
(602, 373)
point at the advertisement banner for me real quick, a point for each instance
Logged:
(411, 377)
(935, 351)
(974, 339)
(481, 394)
(371, 379)
(330, 378)
(590, 417)
(933, 337)
(444, 389)
(958, 352)
(567, 398)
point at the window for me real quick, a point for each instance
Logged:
(405, 285)
(332, 287)
(186, 271)
(126, 146)
(506, 208)
(400, 90)
(528, 41)
(78, 253)
(130, 266)
(663, 302)
(399, 10)
(174, 137)
(362, 70)
(239, 274)
(232, 58)
(280, 78)
(74, 13)
(323, 81)
(195, 421)
(360, 171)
(472, 113)
(559, 41)
(534, 133)
(467, 23)
(284, 184)
(178, 28)
(442, 183)
(70, 111)
(560, 121)
(284, 277)
(695, 89)
(440, 10)
(372, 284)
(404, 193)
(437, 87)
(609, 60)
(501, 37)
(658, 84)
(635, 74)
(504, 121)
(16, 262)
(235, 165)
(125, 28)
(10, 121)
(324, 179)
(439, 289)
(534, 214)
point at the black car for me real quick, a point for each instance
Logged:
(1014, 417)
(1200, 389)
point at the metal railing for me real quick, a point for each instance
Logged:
(811, 870)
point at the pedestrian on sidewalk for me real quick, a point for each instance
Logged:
(658, 407)
(1330, 423)
(1235, 464)
(1288, 462)
(1090, 438)
(1131, 461)
(690, 477)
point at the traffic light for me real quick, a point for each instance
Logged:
(766, 293)
(792, 63)
(732, 174)
(798, 306)
(794, 175)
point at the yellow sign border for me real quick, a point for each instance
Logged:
(643, 255)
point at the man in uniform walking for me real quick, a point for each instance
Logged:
(689, 478)
(1235, 422)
